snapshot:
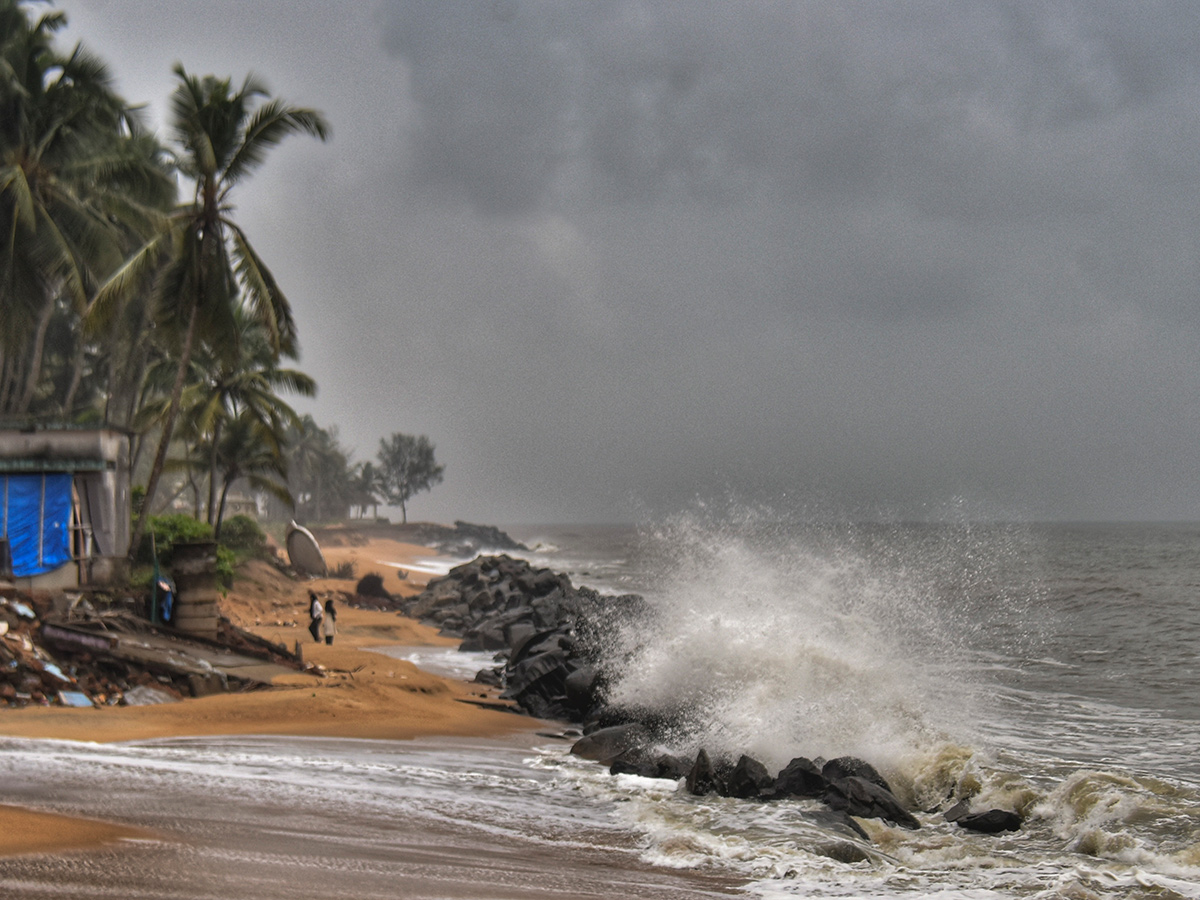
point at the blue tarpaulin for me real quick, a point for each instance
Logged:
(35, 515)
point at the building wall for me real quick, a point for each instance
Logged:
(99, 462)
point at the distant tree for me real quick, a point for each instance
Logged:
(319, 472)
(406, 467)
(364, 483)
(249, 448)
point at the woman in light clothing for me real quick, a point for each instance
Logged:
(329, 621)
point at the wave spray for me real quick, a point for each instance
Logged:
(780, 639)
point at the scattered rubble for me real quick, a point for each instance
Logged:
(80, 650)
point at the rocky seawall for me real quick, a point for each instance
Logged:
(552, 641)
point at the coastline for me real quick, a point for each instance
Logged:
(349, 692)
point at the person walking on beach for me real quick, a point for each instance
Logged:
(316, 613)
(329, 623)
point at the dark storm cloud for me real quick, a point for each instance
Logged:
(634, 101)
(968, 118)
(907, 257)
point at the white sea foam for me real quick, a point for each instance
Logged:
(782, 643)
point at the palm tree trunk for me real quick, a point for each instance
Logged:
(76, 378)
(212, 472)
(164, 442)
(7, 380)
(221, 508)
(33, 374)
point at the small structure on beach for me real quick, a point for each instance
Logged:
(304, 552)
(64, 507)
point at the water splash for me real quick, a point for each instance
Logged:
(779, 639)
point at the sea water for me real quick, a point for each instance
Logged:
(1052, 670)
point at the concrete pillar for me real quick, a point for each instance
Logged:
(194, 568)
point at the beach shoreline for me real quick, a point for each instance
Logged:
(347, 691)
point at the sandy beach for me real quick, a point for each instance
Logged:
(355, 693)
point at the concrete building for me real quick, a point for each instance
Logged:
(64, 507)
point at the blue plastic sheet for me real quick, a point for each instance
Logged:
(35, 514)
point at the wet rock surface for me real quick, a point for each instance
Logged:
(546, 632)
(548, 636)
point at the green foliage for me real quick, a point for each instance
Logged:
(407, 467)
(227, 562)
(202, 264)
(81, 184)
(241, 534)
(319, 472)
(343, 571)
(167, 531)
(179, 528)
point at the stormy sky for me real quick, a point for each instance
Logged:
(922, 259)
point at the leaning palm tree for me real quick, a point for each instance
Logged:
(202, 262)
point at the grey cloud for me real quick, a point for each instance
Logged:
(611, 253)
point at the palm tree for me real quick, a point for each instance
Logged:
(250, 449)
(80, 185)
(204, 264)
(319, 471)
(244, 376)
(365, 485)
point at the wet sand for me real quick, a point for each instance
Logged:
(357, 693)
(181, 827)
(29, 831)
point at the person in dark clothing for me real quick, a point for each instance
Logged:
(165, 590)
(316, 613)
(329, 623)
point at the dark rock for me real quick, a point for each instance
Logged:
(478, 641)
(673, 767)
(707, 777)
(836, 820)
(490, 677)
(479, 536)
(610, 743)
(537, 642)
(371, 585)
(993, 821)
(582, 688)
(800, 778)
(852, 766)
(544, 673)
(860, 797)
(843, 852)
(957, 811)
(519, 633)
(749, 778)
(664, 765)
(633, 765)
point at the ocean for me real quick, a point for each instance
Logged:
(1048, 669)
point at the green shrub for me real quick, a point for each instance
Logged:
(242, 534)
(167, 531)
(226, 563)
